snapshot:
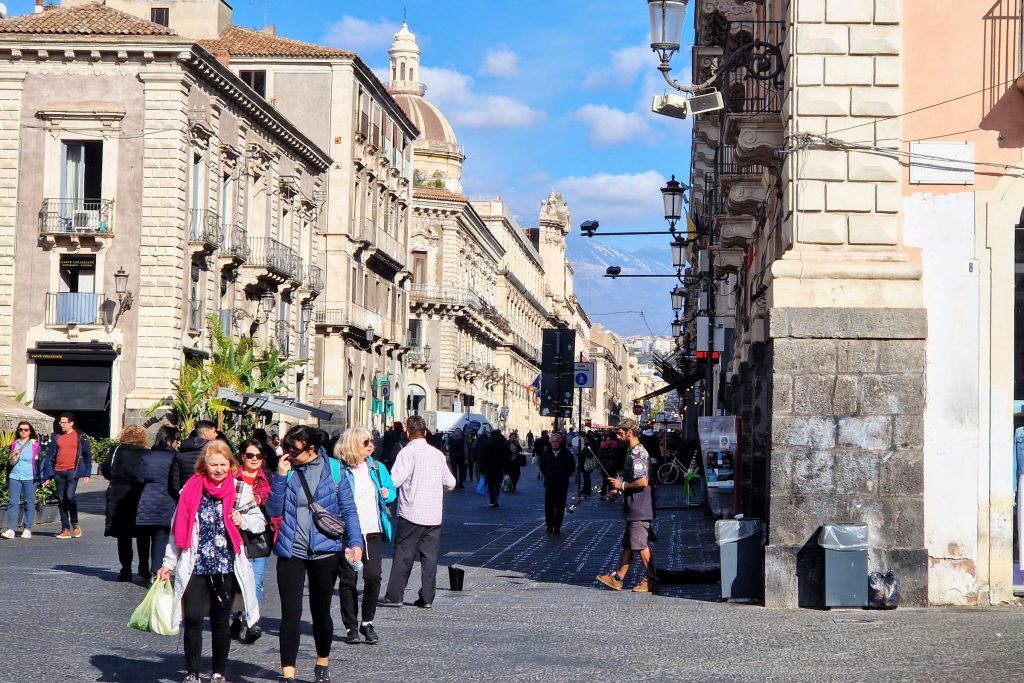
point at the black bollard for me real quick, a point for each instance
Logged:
(456, 575)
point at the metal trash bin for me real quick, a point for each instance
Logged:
(846, 564)
(741, 555)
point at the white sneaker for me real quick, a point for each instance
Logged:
(8, 534)
(25, 533)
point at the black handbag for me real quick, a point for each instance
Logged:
(326, 523)
(256, 544)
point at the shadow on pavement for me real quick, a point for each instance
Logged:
(101, 573)
(168, 667)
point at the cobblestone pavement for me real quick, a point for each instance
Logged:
(530, 611)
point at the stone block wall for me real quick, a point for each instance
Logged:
(848, 397)
(10, 114)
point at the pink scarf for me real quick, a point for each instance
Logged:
(188, 509)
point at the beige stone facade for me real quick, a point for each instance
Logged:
(139, 151)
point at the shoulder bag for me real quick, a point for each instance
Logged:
(256, 544)
(326, 523)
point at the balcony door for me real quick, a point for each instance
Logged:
(81, 185)
(76, 300)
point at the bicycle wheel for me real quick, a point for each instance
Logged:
(668, 473)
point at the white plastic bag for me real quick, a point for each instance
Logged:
(161, 621)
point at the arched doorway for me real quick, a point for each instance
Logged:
(415, 400)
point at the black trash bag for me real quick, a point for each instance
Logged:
(883, 590)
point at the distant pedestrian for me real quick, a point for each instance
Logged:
(539, 446)
(187, 456)
(496, 456)
(457, 457)
(206, 559)
(306, 555)
(516, 460)
(638, 510)
(373, 490)
(68, 461)
(480, 439)
(392, 442)
(557, 465)
(121, 468)
(422, 477)
(156, 507)
(529, 440)
(23, 473)
(254, 455)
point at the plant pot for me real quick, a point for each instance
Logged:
(47, 513)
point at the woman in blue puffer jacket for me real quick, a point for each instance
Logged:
(303, 550)
(373, 490)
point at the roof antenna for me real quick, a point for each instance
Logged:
(404, 13)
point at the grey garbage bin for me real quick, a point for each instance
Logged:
(741, 555)
(846, 564)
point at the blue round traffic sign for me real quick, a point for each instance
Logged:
(581, 379)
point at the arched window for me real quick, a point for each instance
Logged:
(412, 74)
(416, 399)
(403, 71)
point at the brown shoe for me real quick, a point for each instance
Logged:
(64, 533)
(78, 531)
(647, 585)
(611, 580)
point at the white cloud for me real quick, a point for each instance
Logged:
(626, 65)
(452, 93)
(501, 62)
(629, 198)
(351, 33)
(610, 126)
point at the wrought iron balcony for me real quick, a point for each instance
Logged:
(234, 242)
(69, 216)
(314, 279)
(275, 257)
(332, 317)
(297, 269)
(196, 316)
(204, 229)
(755, 87)
(74, 308)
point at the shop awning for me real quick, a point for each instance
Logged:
(74, 395)
(12, 412)
(282, 405)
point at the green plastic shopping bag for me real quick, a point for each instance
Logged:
(154, 612)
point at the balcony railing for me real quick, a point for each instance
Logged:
(204, 227)
(74, 308)
(364, 318)
(266, 252)
(315, 279)
(77, 216)
(453, 296)
(196, 315)
(234, 241)
(748, 90)
(331, 316)
(725, 163)
(297, 269)
(389, 245)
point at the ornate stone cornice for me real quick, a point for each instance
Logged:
(736, 231)
(728, 259)
(744, 195)
(714, 14)
(756, 137)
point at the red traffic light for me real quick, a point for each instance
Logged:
(703, 355)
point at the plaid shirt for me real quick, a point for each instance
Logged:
(421, 476)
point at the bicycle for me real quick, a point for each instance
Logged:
(670, 472)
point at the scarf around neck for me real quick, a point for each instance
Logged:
(188, 509)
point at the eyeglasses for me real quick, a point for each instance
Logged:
(24, 429)
(367, 442)
(253, 456)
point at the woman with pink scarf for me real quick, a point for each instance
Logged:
(205, 556)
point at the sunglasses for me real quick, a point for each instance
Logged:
(367, 442)
(292, 452)
(24, 429)
(253, 456)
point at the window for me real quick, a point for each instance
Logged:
(195, 198)
(415, 333)
(419, 267)
(195, 299)
(82, 178)
(257, 80)
(160, 15)
(76, 301)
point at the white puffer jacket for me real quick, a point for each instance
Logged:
(183, 560)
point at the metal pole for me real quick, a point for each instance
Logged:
(709, 373)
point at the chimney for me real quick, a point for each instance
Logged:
(39, 7)
(224, 56)
(269, 30)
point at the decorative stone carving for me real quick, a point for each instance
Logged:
(756, 137)
(743, 194)
(707, 131)
(736, 231)
(728, 259)
(705, 62)
(715, 14)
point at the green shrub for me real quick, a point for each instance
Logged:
(46, 494)
(100, 448)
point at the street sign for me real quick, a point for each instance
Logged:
(583, 375)
(638, 409)
(385, 390)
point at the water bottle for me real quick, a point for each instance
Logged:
(350, 558)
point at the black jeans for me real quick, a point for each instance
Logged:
(124, 554)
(412, 540)
(494, 480)
(586, 484)
(291, 574)
(204, 595)
(347, 593)
(554, 504)
(67, 486)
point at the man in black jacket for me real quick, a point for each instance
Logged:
(557, 466)
(185, 460)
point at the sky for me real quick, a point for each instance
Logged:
(542, 95)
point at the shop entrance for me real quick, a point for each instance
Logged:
(75, 378)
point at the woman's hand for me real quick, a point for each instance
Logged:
(355, 553)
(384, 493)
(236, 518)
(164, 573)
(284, 466)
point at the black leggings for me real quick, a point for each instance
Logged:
(371, 585)
(124, 553)
(291, 573)
(201, 598)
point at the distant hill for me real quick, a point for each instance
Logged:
(590, 258)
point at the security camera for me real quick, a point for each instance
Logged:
(588, 228)
(612, 271)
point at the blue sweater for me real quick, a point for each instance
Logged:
(335, 498)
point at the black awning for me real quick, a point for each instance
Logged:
(63, 352)
(74, 395)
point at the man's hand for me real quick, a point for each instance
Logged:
(616, 483)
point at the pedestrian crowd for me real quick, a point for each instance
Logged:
(208, 518)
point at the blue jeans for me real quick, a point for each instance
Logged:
(259, 568)
(22, 490)
(67, 486)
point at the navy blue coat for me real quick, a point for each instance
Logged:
(156, 507)
(83, 467)
(185, 464)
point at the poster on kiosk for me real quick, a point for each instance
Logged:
(719, 437)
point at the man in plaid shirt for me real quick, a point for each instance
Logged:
(421, 476)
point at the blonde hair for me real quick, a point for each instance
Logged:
(133, 435)
(215, 447)
(349, 448)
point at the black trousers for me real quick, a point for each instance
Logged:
(291, 575)
(412, 541)
(494, 480)
(460, 471)
(347, 593)
(200, 599)
(156, 538)
(586, 484)
(124, 553)
(554, 504)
